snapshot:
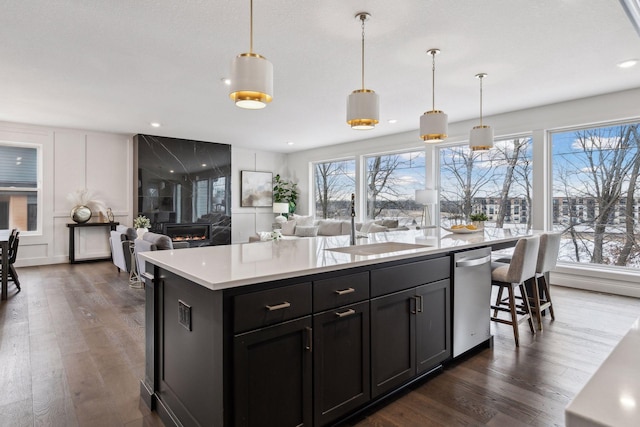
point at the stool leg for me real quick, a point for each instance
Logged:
(536, 302)
(514, 316)
(547, 295)
(498, 301)
(527, 307)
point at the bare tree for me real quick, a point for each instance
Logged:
(468, 180)
(629, 221)
(333, 183)
(600, 171)
(391, 179)
(510, 155)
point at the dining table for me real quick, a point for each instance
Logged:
(4, 247)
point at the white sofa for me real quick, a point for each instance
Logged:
(306, 226)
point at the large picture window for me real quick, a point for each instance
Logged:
(495, 182)
(19, 187)
(596, 194)
(391, 182)
(333, 184)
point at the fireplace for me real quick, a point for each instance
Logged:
(197, 234)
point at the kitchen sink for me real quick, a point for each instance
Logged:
(377, 248)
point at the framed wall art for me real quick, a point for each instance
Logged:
(256, 189)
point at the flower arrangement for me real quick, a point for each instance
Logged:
(141, 222)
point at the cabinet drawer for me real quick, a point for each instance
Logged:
(258, 309)
(393, 279)
(338, 291)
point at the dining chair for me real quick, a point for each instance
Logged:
(513, 276)
(13, 242)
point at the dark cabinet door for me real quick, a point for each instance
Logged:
(433, 342)
(273, 375)
(341, 361)
(392, 341)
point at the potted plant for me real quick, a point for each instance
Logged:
(478, 220)
(285, 192)
(142, 225)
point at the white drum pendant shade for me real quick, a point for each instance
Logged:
(434, 126)
(363, 109)
(251, 81)
(481, 138)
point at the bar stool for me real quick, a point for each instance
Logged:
(511, 276)
(547, 260)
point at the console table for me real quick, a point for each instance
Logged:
(72, 239)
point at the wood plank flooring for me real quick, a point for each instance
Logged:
(72, 354)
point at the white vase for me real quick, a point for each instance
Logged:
(478, 224)
(140, 232)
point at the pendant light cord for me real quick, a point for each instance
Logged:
(481, 100)
(362, 19)
(251, 26)
(433, 80)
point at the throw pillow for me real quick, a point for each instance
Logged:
(376, 228)
(329, 228)
(366, 227)
(288, 228)
(390, 223)
(306, 231)
(303, 220)
(264, 236)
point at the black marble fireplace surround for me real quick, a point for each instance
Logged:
(184, 182)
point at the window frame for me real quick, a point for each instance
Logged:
(39, 183)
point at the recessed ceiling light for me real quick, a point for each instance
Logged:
(290, 143)
(628, 63)
(226, 81)
(171, 171)
(204, 165)
(392, 121)
(155, 124)
(18, 158)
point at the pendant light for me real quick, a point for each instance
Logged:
(362, 104)
(434, 123)
(251, 77)
(481, 137)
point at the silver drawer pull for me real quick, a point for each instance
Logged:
(345, 291)
(346, 313)
(278, 307)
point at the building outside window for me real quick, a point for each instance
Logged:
(391, 181)
(19, 187)
(596, 195)
(334, 182)
(495, 182)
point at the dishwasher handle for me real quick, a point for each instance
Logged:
(473, 262)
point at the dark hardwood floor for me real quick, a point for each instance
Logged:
(72, 353)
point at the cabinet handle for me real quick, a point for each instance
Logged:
(346, 313)
(309, 345)
(421, 306)
(345, 291)
(278, 306)
(415, 304)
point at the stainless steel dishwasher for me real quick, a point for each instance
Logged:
(471, 299)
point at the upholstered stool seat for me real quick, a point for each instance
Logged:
(547, 260)
(511, 276)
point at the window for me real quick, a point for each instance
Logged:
(19, 186)
(333, 184)
(495, 182)
(595, 180)
(391, 183)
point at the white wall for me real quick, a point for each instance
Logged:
(536, 121)
(74, 159)
(246, 221)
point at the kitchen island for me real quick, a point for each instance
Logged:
(298, 332)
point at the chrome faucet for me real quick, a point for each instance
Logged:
(353, 219)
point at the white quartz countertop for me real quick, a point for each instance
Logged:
(222, 267)
(612, 396)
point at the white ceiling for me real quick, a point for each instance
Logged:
(118, 65)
